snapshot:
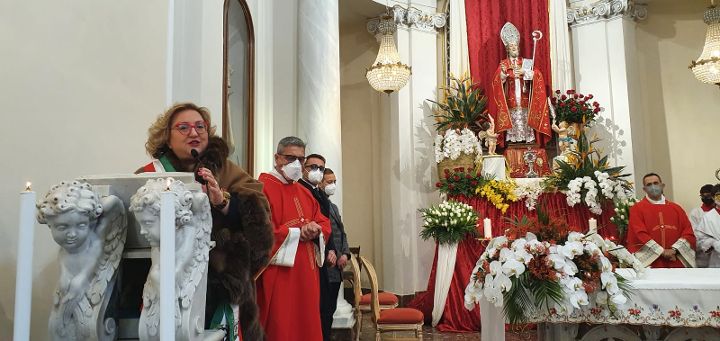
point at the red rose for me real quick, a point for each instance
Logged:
(590, 96)
(557, 92)
(456, 177)
(562, 105)
(473, 183)
(438, 184)
(571, 91)
(468, 176)
(573, 109)
(451, 186)
(447, 171)
(597, 110)
(563, 97)
(575, 96)
(581, 95)
(596, 104)
(447, 175)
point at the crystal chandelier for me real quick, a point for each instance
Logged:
(707, 67)
(388, 74)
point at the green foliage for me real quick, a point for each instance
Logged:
(449, 222)
(462, 106)
(622, 215)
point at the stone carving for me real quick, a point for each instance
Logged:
(193, 224)
(91, 232)
(412, 17)
(606, 9)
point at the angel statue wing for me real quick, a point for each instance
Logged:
(196, 265)
(111, 231)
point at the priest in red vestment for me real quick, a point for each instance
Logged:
(659, 231)
(288, 294)
(518, 96)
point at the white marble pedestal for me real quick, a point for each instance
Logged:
(343, 317)
(494, 166)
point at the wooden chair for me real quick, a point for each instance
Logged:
(357, 293)
(394, 319)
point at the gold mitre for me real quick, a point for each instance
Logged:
(509, 34)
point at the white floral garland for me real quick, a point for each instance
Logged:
(609, 189)
(452, 145)
(514, 258)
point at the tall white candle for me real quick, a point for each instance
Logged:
(167, 265)
(592, 226)
(487, 228)
(23, 280)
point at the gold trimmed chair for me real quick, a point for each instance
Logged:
(393, 319)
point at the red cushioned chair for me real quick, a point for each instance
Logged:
(394, 319)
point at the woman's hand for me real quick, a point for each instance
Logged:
(212, 188)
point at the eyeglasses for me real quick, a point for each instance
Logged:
(314, 167)
(185, 127)
(292, 158)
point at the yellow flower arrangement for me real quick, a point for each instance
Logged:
(500, 193)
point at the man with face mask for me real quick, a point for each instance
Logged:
(696, 216)
(288, 296)
(313, 170)
(328, 186)
(708, 232)
(659, 231)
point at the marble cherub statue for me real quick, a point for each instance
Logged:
(91, 232)
(490, 137)
(193, 224)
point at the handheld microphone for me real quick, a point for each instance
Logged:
(196, 156)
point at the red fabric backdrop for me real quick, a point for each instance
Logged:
(455, 317)
(484, 20)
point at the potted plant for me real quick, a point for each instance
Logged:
(460, 114)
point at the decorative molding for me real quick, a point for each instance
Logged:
(412, 17)
(606, 9)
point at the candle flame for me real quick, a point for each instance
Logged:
(28, 186)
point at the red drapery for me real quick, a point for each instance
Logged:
(485, 18)
(455, 317)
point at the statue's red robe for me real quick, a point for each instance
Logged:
(503, 99)
(289, 297)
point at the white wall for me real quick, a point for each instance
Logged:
(80, 83)
(682, 115)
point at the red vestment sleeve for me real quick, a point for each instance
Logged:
(637, 234)
(686, 227)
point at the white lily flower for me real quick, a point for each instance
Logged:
(495, 268)
(513, 268)
(607, 277)
(579, 298)
(571, 249)
(518, 244)
(506, 254)
(592, 249)
(605, 265)
(502, 282)
(523, 256)
(619, 299)
(575, 237)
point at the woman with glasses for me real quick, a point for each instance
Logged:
(183, 140)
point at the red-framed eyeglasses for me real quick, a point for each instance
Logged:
(184, 128)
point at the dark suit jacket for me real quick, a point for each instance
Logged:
(324, 203)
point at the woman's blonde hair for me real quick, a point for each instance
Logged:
(159, 132)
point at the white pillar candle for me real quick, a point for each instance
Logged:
(167, 265)
(592, 226)
(23, 280)
(487, 228)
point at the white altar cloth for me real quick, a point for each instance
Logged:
(662, 297)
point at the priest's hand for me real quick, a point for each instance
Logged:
(669, 254)
(309, 231)
(342, 261)
(331, 258)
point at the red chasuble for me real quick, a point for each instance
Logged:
(503, 99)
(289, 297)
(655, 227)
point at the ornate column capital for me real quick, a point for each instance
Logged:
(412, 17)
(582, 12)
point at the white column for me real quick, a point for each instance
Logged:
(318, 83)
(407, 162)
(559, 35)
(603, 38)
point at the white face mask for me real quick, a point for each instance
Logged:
(315, 176)
(293, 170)
(330, 189)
